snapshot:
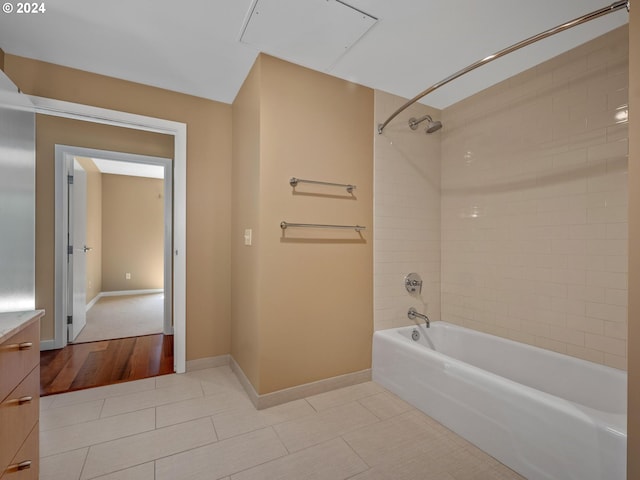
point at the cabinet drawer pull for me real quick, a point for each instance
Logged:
(20, 401)
(17, 467)
(17, 346)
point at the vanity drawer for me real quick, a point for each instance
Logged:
(19, 412)
(18, 355)
(26, 464)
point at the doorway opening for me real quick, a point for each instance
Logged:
(113, 212)
(178, 131)
(119, 247)
(114, 244)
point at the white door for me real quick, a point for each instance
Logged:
(77, 250)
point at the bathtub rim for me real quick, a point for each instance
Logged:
(614, 422)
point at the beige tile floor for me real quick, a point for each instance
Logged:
(201, 425)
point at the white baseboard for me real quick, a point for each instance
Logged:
(244, 381)
(209, 362)
(47, 345)
(119, 293)
(93, 301)
(300, 391)
(131, 292)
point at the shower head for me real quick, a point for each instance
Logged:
(432, 125)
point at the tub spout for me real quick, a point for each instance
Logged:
(413, 314)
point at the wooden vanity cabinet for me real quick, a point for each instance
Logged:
(20, 403)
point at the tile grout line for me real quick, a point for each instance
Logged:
(395, 414)
(105, 441)
(260, 427)
(306, 399)
(260, 464)
(353, 449)
(239, 471)
(369, 467)
(205, 415)
(299, 452)
(280, 439)
(84, 463)
(359, 400)
(151, 406)
(353, 429)
(120, 470)
(153, 459)
(215, 432)
(101, 408)
(93, 389)
(44, 413)
(66, 451)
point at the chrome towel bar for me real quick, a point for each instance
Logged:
(294, 182)
(285, 225)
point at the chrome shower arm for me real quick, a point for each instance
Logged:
(414, 122)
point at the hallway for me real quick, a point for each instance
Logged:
(123, 316)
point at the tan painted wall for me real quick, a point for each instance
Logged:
(125, 229)
(208, 185)
(94, 227)
(245, 334)
(314, 292)
(132, 233)
(633, 445)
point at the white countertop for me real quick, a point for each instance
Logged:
(13, 322)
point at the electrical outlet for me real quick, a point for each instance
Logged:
(127, 276)
(247, 237)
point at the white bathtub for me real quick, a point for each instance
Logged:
(545, 415)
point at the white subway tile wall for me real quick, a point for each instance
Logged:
(534, 205)
(406, 214)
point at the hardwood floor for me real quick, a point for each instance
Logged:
(94, 364)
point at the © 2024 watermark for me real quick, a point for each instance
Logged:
(24, 7)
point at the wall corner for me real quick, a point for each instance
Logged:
(633, 343)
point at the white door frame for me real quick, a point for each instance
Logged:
(47, 106)
(64, 156)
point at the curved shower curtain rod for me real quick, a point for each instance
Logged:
(516, 46)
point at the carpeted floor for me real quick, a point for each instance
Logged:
(123, 316)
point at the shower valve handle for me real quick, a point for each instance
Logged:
(413, 283)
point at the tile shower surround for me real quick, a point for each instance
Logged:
(201, 425)
(406, 215)
(532, 214)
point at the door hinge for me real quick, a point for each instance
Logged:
(69, 319)
(70, 250)
(70, 179)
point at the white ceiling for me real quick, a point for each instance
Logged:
(131, 169)
(194, 46)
